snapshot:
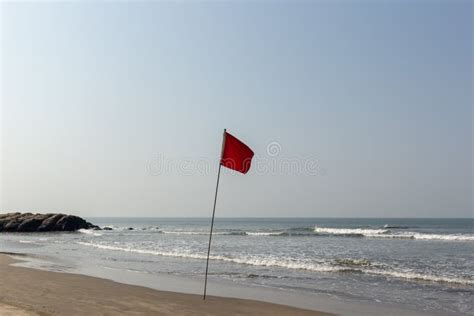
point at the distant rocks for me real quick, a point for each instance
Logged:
(29, 222)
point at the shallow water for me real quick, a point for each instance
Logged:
(426, 264)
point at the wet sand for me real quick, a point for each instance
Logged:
(25, 291)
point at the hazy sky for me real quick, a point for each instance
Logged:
(353, 108)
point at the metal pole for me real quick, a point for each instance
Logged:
(213, 213)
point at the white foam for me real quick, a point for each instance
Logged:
(256, 261)
(26, 241)
(89, 232)
(290, 264)
(423, 277)
(350, 231)
(264, 233)
(451, 237)
(385, 233)
(422, 236)
(180, 232)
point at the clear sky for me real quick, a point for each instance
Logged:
(117, 109)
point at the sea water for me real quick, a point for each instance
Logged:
(426, 264)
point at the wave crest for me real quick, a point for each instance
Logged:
(350, 231)
(314, 232)
(89, 232)
(340, 265)
(386, 233)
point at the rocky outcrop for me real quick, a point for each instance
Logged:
(29, 222)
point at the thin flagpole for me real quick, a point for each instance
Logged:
(213, 213)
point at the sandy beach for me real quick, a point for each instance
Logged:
(25, 291)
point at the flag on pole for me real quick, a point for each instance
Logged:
(237, 156)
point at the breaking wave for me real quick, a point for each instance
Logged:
(229, 233)
(350, 231)
(26, 242)
(386, 233)
(89, 232)
(181, 232)
(338, 265)
(309, 231)
(422, 277)
(265, 233)
(425, 236)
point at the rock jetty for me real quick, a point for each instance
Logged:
(51, 222)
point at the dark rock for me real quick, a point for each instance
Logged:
(71, 223)
(130, 228)
(29, 225)
(49, 223)
(28, 222)
(107, 228)
(11, 226)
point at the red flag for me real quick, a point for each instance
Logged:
(235, 154)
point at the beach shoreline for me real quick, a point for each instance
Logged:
(26, 291)
(38, 275)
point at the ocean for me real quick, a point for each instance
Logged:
(421, 264)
